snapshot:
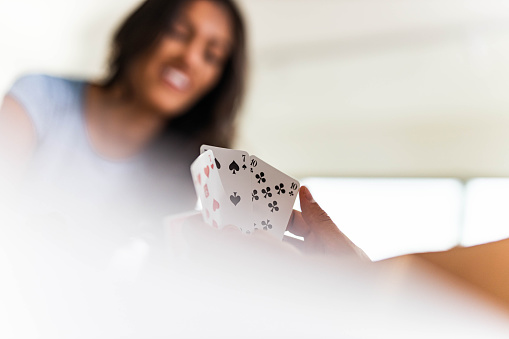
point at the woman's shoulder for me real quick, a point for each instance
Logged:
(42, 83)
(46, 98)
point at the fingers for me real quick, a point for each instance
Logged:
(299, 244)
(326, 235)
(297, 225)
(230, 229)
(313, 214)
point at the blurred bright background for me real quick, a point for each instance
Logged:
(396, 115)
(338, 88)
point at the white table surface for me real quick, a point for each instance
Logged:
(49, 290)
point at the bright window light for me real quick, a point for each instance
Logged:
(486, 211)
(391, 217)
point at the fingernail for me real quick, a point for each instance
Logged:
(308, 195)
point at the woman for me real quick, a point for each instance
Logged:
(120, 150)
(117, 152)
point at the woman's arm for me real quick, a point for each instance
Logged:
(486, 266)
(18, 140)
(17, 134)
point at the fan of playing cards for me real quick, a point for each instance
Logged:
(242, 190)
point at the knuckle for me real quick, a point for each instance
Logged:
(322, 216)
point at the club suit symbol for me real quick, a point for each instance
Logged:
(254, 195)
(260, 177)
(273, 206)
(266, 192)
(266, 225)
(280, 189)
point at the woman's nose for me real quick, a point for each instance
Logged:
(193, 54)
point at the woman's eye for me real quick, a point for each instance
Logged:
(213, 58)
(179, 33)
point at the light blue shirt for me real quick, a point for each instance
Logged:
(69, 179)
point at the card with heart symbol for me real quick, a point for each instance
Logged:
(208, 188)
(233, 169)
(243, 199)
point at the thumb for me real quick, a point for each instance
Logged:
(312, 213)
(331, 239)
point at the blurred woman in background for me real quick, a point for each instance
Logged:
(115, 155)
(119, 151)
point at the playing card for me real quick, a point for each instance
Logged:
(208, 188)
(273, 196)
(234, 172)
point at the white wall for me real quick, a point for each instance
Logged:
(63, 37)
(355, 88)
(381, 88)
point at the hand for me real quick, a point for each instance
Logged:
(188, 235)
(321, 235)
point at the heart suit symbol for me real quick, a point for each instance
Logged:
(215, 205)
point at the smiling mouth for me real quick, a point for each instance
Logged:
(176, 79)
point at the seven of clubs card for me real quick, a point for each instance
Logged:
(251, 193)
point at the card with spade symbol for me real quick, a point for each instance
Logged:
(208, 188)
(242, 190)
(234, 172)
(273, 196)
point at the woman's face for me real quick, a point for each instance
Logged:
(187, 62)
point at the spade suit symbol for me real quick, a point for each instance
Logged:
(234, 167)
(218, 164)
(235, 199)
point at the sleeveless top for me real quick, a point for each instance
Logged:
(68, 181)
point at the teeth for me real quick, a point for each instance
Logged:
(176, 78)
